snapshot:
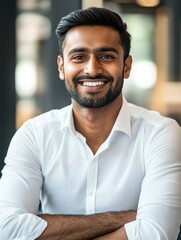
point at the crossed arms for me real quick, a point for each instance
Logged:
(106, 225)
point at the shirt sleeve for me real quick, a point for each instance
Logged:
(20, 187)
(159, 208)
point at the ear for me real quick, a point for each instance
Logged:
(60, 67)
(127, 66)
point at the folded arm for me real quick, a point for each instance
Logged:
(84, 227)
(116, 235)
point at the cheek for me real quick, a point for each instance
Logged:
(117, 72)
(71, 71)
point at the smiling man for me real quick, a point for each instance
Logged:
(101, 168)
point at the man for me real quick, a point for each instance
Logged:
(101, 168)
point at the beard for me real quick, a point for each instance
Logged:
(93, 100)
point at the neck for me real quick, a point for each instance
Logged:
(95, 124)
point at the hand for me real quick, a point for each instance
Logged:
(116, 235)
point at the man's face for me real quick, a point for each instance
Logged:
(92, 66)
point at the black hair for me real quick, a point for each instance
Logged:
(94, 16)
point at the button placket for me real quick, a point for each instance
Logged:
(91, 186)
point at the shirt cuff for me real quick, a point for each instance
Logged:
(131, 230)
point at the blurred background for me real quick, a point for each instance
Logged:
(29, 82)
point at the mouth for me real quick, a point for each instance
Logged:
(92, 84)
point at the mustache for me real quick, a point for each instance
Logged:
(98, 77)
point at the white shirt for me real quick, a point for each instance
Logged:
(137, 168)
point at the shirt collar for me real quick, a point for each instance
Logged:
(68, 122)
(122, 123)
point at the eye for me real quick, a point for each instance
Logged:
(78, 58)
(107, 57)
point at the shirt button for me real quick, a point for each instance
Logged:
(90, 193)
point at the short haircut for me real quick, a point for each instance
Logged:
(94, 16)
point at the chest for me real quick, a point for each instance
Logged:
(78, 182)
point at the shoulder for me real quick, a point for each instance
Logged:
(150, 118)
(50, 118)
(45, 123)
(43, 127)
(151, 126)
(157, 136)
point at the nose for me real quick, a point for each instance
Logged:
(92, 67)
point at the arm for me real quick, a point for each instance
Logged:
(159, 208)
(84, 227)
(116, 235)
(20, 189)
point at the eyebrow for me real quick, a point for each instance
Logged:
(98, 50)
(107, 49)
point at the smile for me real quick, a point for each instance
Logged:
(93, 84)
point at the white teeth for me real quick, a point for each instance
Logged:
(93, 84)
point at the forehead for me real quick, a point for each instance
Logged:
(91, 37)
